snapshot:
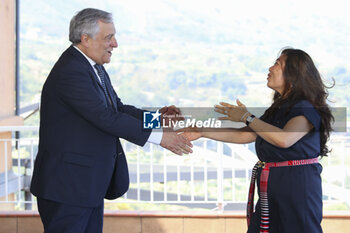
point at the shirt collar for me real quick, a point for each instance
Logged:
(92, 63)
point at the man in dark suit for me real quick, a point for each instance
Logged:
(80, 159)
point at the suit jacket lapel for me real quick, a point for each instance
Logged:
(81, 58)
(95, 79)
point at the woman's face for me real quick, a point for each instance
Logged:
(275, 79)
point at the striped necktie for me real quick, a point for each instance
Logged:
(101, 74)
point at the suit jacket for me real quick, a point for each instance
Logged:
(80, 159)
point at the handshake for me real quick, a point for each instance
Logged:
(171, 140)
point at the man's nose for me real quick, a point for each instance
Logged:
(114, 43)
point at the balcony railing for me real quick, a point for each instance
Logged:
(216, 175)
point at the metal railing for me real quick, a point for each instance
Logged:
(216, 175)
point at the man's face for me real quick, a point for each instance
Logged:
(100, 48)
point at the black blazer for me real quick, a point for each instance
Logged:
(80, 159)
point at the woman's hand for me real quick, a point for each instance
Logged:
(191, 133)
(234, 113)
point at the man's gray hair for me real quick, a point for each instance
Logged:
(86, 22)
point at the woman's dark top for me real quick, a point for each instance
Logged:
(294, 192)
(307, 147)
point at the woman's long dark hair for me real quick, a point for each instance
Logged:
(304, 82)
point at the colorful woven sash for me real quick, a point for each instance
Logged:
(264, 178)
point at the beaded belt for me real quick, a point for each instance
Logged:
(264, 178)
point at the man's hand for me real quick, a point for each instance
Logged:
(175, 143)
(170, 114)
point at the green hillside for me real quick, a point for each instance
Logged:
(189, 54)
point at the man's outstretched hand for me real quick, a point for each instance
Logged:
(170, 114)
(175, 142)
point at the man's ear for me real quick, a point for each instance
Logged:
(84, 40)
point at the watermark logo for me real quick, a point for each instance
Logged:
(208, 119)
(208, 123)
(151, 120)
